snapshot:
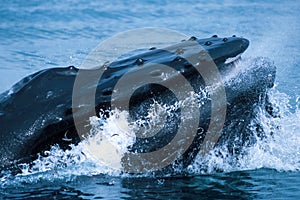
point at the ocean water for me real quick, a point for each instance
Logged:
(37, 35)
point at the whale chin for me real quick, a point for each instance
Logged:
(38, 112)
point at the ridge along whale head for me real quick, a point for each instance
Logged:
(220, 50)
(223, 50)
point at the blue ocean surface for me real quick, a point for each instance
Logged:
(35, 35)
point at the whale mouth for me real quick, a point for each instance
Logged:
(233, 59)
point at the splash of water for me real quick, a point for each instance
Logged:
(279, 149)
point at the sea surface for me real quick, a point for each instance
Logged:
(35, 35)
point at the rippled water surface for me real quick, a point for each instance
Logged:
(37, 35)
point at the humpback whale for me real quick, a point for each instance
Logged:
(37, 112)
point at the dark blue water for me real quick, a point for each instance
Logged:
(37, 35)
